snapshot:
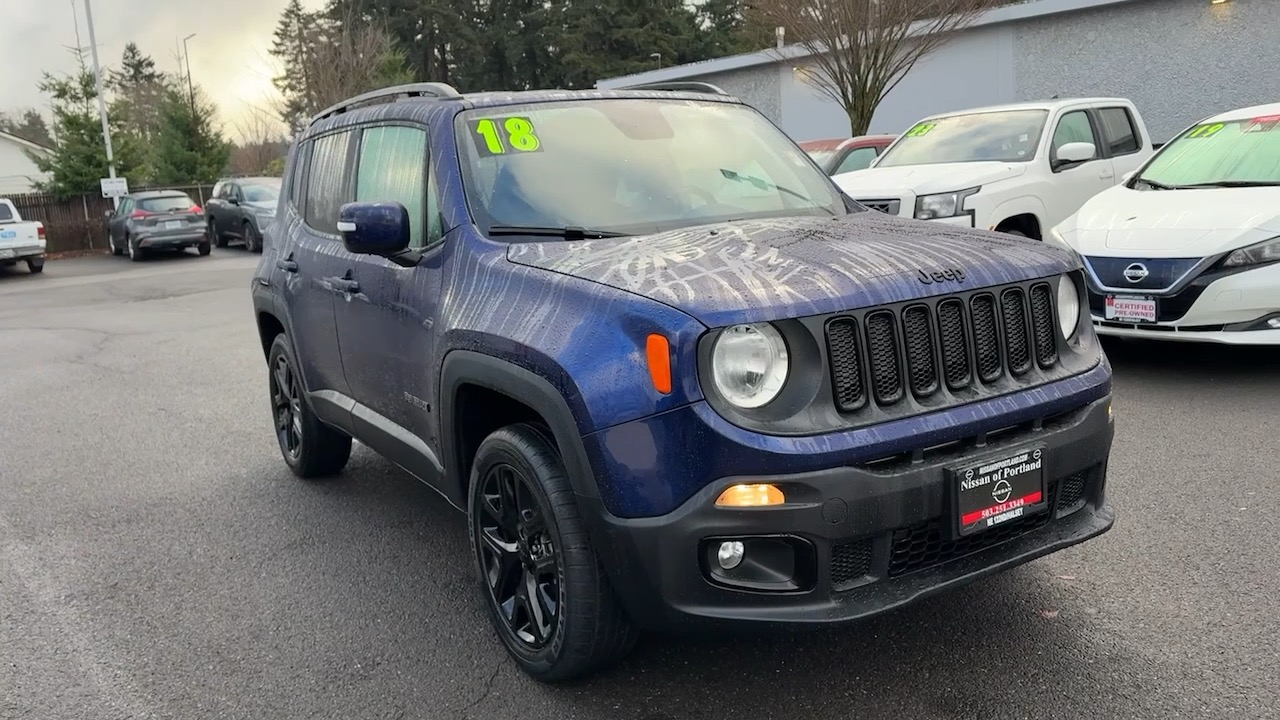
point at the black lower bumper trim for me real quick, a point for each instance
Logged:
(881, 539)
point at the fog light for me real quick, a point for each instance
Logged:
(755, 495)
(730, 554)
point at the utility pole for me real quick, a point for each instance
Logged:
(102, 103)
(191, 89)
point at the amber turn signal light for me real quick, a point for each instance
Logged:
(659, 352)
(754, 495)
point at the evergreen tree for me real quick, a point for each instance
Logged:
(140, 92)
(296, 37)
(730, 27)
(618, 37)
(27, 124)
(189, 148)
(79, 158)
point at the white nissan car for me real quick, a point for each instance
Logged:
(1188, 246)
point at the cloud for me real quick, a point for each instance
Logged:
(230, 53)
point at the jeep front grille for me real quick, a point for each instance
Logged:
(953, 342)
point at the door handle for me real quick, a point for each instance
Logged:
(287, 264)
(343, 284)
(1106, 174)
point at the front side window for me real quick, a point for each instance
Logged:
(392, 168)
(1239, 152)
(5, 213)
(633, 166)
(857, 159)
(326, 181)
(1074, 127)
(1001, 136)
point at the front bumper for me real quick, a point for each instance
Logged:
(1231, 308)
(877, 538)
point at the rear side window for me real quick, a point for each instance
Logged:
(1117, 127)
(326, 181)
(5, 213)
(297, 176)
(393, 168)
(166, 203)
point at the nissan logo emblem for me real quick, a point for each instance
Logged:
(1136, 273)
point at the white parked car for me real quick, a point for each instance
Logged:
(20, 240)
(1018, 168)
(1188, 247)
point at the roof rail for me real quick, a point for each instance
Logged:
(678, 86)
(388, 94)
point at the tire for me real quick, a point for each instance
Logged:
(111, 243)
(310, 448)
(204, 248)
(252, 242)
(136, 253)
(215, 237)
(35, 265)
(590, 631)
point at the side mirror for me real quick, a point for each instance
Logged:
(377, 228)
(107, 214)
(1076, 152)
(233, 200)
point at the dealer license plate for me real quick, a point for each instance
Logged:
(1131, 308)
(6, 254)
(999, 490)
(173, 224)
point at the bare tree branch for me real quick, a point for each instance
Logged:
(861, 49)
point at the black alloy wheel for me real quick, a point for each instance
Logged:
(521, 564)
(286, 402)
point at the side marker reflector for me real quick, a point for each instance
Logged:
(659, 352)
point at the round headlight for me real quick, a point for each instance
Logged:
(1068, 306)
(749, 364)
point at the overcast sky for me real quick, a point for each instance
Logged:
(229, 54)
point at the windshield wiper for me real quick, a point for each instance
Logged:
(1154, 184)
(1232, 184)
(571, 232)
(763, 184)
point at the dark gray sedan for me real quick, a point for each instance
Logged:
(157, 220)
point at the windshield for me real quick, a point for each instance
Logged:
(1002, 136)
(261, 193)
(633, 166)
(166, 203)
(1238, 152)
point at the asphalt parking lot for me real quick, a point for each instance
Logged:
(157, 560)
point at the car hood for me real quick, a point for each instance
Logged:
(1124, 222)
(925, 179)
(793, 267)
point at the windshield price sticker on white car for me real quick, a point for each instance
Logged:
(1131, 308)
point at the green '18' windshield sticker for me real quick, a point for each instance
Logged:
(1204, 131)
(921, 129)
(499, 136)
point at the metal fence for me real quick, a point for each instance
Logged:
(79, 222)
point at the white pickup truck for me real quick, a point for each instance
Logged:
(20, 241)
(1020, 169)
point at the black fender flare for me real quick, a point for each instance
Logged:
(466, 367)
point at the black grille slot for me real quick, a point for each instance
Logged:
(986, 340)
(1014, 312)
(850, 562)
(882, 346)
(927, 544)
(955, 346)
(1072, 496)
(921, 366)
(846, 364)
(1042, 322)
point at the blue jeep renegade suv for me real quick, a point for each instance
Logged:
(674, 378)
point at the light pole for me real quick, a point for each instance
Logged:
(102, 104)
(191, 90)
(658, 57)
